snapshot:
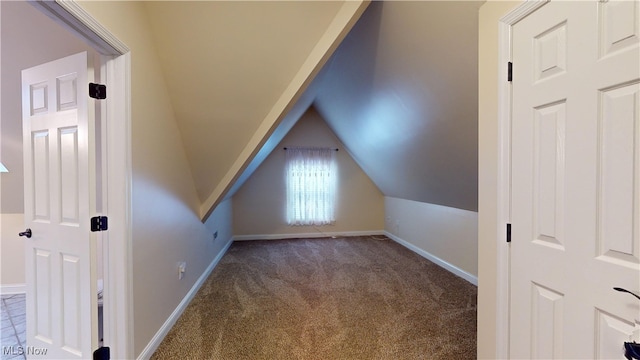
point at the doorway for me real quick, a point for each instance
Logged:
(567, 124)
(113, 65)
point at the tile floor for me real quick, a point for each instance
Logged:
(14, 325)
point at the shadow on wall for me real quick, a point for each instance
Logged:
(356, 56)
(401, 93)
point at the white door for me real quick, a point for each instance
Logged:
(575, 180)
(59, 200)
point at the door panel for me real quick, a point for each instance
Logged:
(618, 26)
(547, 310)
(59, 200)
(43, 316)
(549, 129)
(41, 186)
(618, 159)
(575, 180)
(68, 143)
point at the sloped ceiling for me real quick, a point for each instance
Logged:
(401, 94)
(400, 91)
(231, 66)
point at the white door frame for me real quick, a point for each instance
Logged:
(503, 266)
(116, 74)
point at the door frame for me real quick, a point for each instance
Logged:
(503, 178)
(115, 72)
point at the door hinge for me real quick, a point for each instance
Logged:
(508, 233)
(99, 223)
(97, 91)
(509, 71)
(102, 353)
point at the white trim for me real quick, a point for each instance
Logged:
(503, 176)
(306, 235)
(523, 10)
(152, 346)
(78, 21)
(443, 264)
(119, 296)
(503, 186)
(12, 289)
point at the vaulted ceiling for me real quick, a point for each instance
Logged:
(400, 91)
(235, 68)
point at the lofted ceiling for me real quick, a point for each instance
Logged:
(226, 64)
(400, 91)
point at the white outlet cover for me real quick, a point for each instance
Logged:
(182, 268)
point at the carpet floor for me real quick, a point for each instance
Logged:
(344, 298)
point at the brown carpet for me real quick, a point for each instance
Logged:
(344, 298)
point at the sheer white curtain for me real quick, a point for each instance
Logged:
(311, 186)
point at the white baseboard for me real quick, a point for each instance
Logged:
(447, 266)
(11, 289)
(164, 329)
(306, 235)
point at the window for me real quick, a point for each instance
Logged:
(311, 186)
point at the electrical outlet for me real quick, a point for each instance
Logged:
(182, 268)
